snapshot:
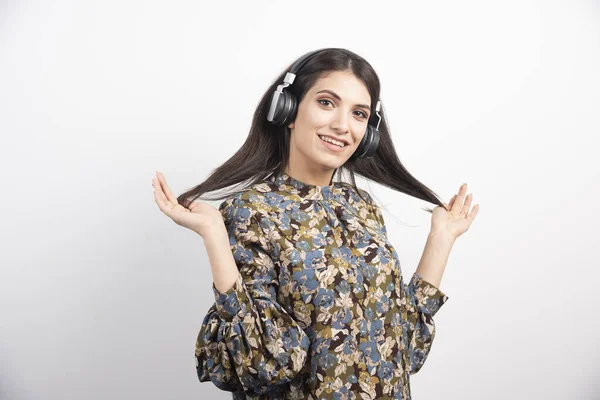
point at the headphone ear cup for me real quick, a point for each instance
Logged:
(291, 107)
(373, 144)
(278, 108)
(285, 110)
(363, 145)
(368, 145)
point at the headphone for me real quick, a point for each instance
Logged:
(284, 106)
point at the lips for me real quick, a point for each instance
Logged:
(335, 138)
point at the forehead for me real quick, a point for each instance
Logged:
(345, 84)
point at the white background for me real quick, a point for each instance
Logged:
(102, 296)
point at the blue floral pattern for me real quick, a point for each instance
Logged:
(320, 309)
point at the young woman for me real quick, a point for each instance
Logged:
(310, 301)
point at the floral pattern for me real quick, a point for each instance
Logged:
(320, 309)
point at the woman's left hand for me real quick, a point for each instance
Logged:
(457, 221)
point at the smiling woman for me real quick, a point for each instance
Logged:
(310, 299)
(334, 120)
(336, 95)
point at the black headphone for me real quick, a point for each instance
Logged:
(284, 106)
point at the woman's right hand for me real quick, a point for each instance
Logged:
(201, 217)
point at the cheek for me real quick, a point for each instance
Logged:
(358, 133)
(318, 119)
(315, 116)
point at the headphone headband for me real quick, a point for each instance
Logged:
(303, 60)
(297, 66)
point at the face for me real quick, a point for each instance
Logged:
(337, 106)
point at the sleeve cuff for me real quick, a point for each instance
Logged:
(232, 302)
(428, 297)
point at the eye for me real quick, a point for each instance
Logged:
(362, 113)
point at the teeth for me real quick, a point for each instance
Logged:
(341, 144)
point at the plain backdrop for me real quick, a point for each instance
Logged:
(102, 296)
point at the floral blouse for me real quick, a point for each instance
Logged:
(320, 309)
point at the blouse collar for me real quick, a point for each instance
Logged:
(305, 190)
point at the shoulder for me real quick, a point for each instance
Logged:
(246, 217)
(247, 203)
(357, 196)
(367, 196)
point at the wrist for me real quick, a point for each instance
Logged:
(441, 238)
(214, 233)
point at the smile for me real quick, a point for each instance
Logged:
(332, 142)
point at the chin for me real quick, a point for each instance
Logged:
(333, 164)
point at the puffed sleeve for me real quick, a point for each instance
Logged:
(247, 341)
(423, 300)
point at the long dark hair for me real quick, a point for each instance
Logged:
(266, 150)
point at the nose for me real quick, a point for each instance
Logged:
(340, 122)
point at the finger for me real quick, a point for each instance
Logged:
(157, 198)
(473, 213)
(160, 186)
(467, 205)
(166, 189)
(164, 205)
(451, 202)
(456, 208)
(161, 193)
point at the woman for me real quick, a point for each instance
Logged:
(310, 301)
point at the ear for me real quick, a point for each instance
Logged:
(291, 125)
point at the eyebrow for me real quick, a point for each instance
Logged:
(338, 98)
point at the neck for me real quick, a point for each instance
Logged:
(311, 177)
